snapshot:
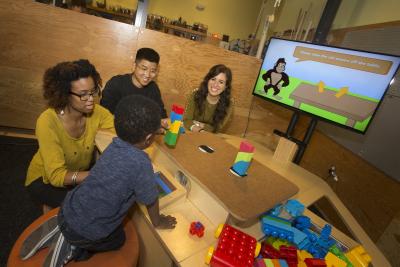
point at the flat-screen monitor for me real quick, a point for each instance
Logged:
(338, 85)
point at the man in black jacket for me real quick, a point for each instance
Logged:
(139, 82)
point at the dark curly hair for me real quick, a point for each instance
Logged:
(57, 81)
(135, 117)
(225, 98)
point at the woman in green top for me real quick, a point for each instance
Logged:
(209, 107)
(66, 131)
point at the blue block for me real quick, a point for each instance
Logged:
(283, 263)
(294, 207)
(241, 167)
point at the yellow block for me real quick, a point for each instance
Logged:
(332, 260)
(359, 257)
(321, 86)
(342, 91)
(302, 255)
(174, 128)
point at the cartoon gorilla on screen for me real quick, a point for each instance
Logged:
(276, 78)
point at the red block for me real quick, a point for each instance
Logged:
(234, 249)
(196, 228)
(289, 253)
(315, 262)
(269, 252)
(246, 147)
(178, 109)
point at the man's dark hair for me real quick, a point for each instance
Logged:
(147, 54)
(57, 80)
(135, 117)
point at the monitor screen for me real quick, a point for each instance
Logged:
(338, 85)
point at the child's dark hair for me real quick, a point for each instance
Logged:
(57, 80)
(135, 117)
(147, 54)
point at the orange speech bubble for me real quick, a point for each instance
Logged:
(373, 65)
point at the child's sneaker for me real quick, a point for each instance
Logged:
(60, 253)
(39, 238)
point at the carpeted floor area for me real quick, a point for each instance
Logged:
(16, 209)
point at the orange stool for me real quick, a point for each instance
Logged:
(127, 255)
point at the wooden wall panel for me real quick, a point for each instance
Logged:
(35, 36)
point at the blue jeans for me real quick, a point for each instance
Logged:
(113, 241)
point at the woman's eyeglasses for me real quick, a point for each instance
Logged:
(85, 97)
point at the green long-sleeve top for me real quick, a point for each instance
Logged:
(59, 152)
(192, 113)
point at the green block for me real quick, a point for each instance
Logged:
(244, 156)
(170, 138)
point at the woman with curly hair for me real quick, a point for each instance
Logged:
(209, 107)
(66, 131)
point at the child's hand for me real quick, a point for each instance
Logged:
(164, 123)
(166, 222)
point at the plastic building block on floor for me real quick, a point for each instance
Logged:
(332, 260)
(315, 262)
(294, 207)
(270, 263)
(335, 250)
(301, 256)
(277, 243)
(196, 228)
(289, 253)
(277, 227)
(302, 223)
(268, 251)
(234, 249)
(359, 257)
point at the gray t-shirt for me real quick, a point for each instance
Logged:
(122, 175)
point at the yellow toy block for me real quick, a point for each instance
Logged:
(359, 257)
(174, 128)
(301, 256)
(332, 260)
(321, 86)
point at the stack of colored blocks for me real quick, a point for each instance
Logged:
(176, 122)
(285, 223)
(243, 159)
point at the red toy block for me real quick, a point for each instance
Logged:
(246, 147)
(289, 253)
(178, 109)
(196, 228)
(268, 251)
(315, 262)
(234, 248)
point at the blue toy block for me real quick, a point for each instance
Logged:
(302, 223)
(326, 231)
(276, 210)
(294, 207)
(283, 263)
(241, 167)
(277, 228)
